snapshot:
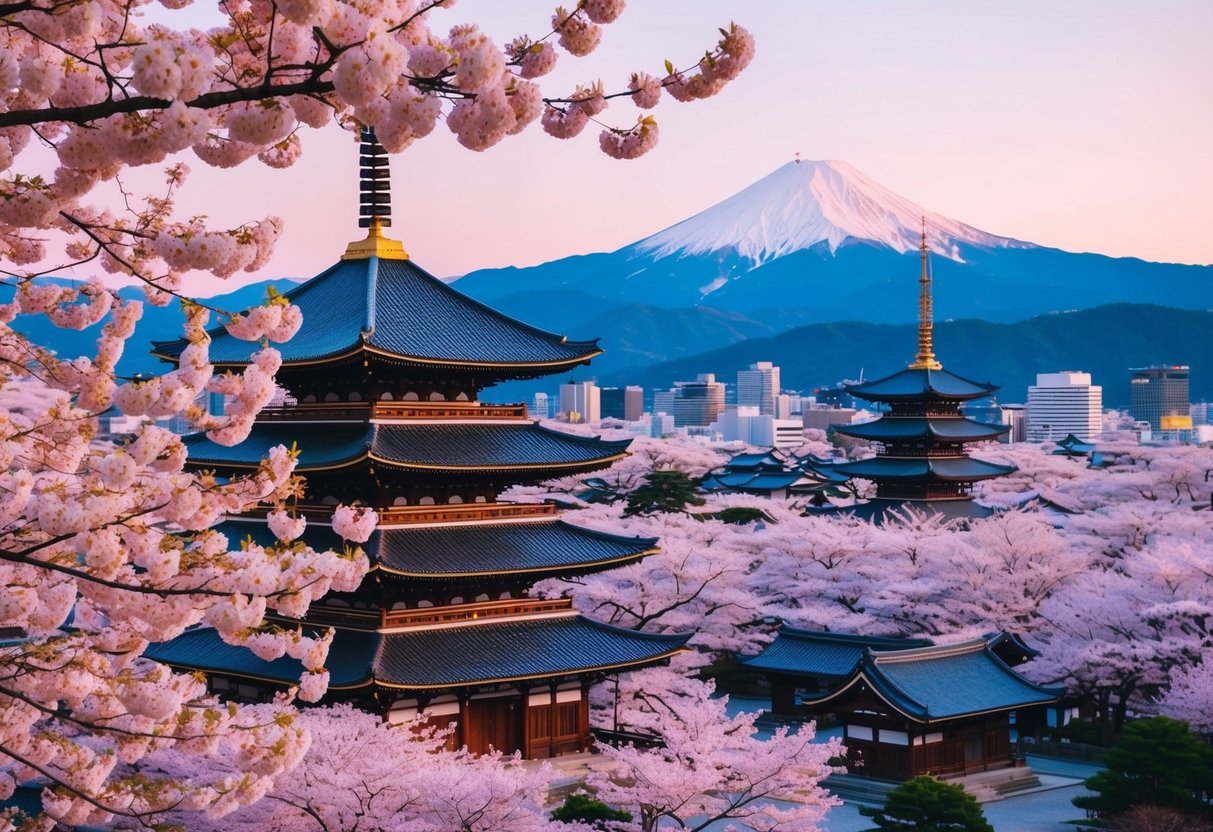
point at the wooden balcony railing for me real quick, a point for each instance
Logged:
(317, 412)
(446, 410)
(444, 513)
(463, 512)
(460, 613)
(391, 411)
(363, 619)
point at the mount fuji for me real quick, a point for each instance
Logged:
(820, 241)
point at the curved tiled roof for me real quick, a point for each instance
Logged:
(473, 447)
(942, 682)
(550, 546)
(479, 446)
(815, 653)
(320, 446)
(515, 650)
(201, 649)
(950, 469)
(909, 428)
(494, 651)
(457, 550)
(914, 384)
(398, 309)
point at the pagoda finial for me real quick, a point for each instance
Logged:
(375, 212)
(925, 360)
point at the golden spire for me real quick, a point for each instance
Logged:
(375, 213)
(925, 360)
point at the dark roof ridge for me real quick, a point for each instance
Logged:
(855, 638)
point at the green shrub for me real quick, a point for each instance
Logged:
(580, 807)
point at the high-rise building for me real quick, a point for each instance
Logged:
(443, 623)
(663, 402)
(1160, 393)
(541, 408)
(1015, 416)
(1063, 403)
(633, 403)
(699, 402)
(611, 400)
(758, 387)
(581, 401)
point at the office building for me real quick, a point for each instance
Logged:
(1159, 395)
(581, 401)
(743, 423)
(758, 386)
(1064, 403)
(1015, 416)
(693, 403)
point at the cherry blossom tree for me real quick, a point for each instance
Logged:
(710, 767)
(1190, 696)
(108, 548)
(361, 774)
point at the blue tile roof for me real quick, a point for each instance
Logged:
(494, 651)
(951, 469)
(550, 546)
(464, 550)
(480, 446)
(349, 662)
(515, 650)
(907, 428)
(948, 681)
(915, 384)
(319, 445)
(397, 308)
(877, 511)
(426, 445)
(815, 653)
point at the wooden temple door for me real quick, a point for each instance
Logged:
(493, 724)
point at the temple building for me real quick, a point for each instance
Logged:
(920, 459)
(776, 475)
(908, 707)
(384, 378)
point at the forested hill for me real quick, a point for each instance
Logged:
(1105, 341)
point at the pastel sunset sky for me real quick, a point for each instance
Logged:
(1085, 125)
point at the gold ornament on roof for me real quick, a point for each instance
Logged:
(925, 360)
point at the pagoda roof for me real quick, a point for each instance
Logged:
(398, 310)
(893, 428)
(911, 384)
(458, 550)
(816, 653)
(452, 447)
(949, 469)
(879, 510)
(502, 650)
(757, 461)
(941, 682)
(1073, 446)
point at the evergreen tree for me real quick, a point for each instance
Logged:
(925, 804)
(1158, 762)
(664, 491)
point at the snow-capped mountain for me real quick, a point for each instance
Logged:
(820, 241)
(804, 203)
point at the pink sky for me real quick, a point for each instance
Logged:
(1085, 125)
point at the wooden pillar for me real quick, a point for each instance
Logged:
(461, 730)
(583, 715)
(525, 711)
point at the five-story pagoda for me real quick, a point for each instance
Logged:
(385, 374)
(920, 461)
